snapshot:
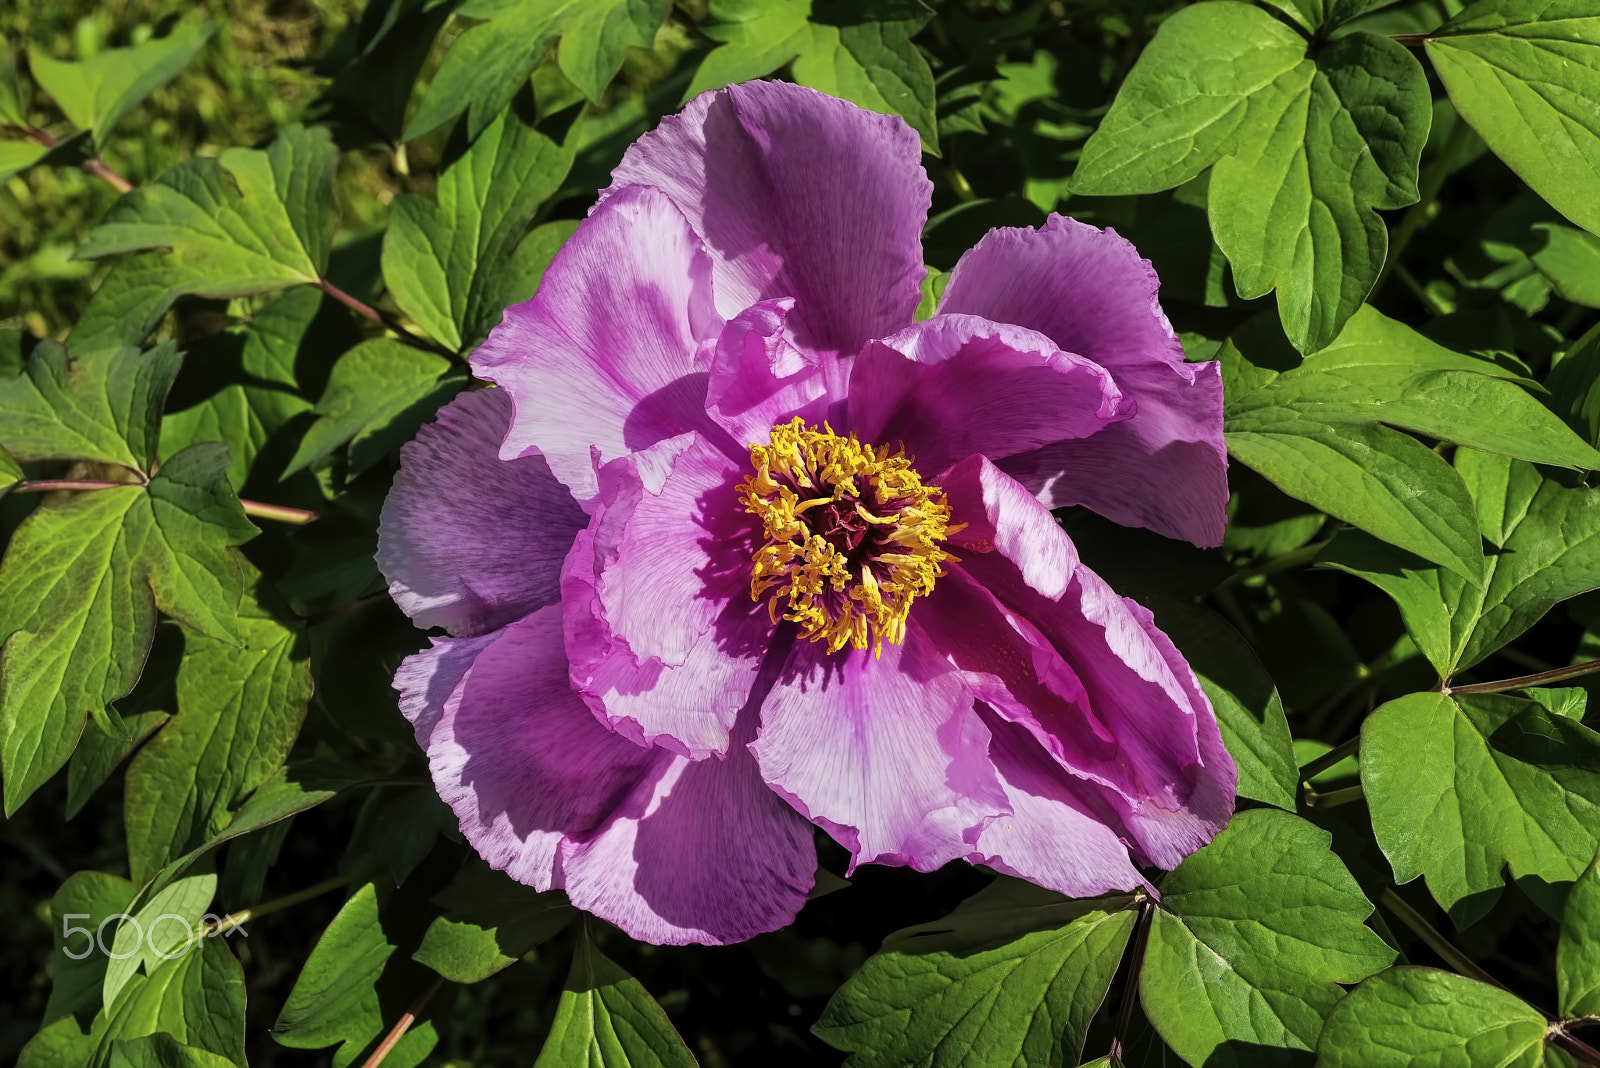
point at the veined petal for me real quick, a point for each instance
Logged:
(1090, 293)
(670, 850)
(760, 379)
(884, 753)
(611, 354)
(1051, 836)
(960, 384)
(468, 541)
(796, 194)
(664, 638)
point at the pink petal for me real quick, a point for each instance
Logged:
(1089, 291)
(759, 379)
(801, 195)
(468, 541)
(959, 384)
(664, 638)
(1051, 837)
(669, 850)
(886, 754)
(612, 352)
(1000, 515)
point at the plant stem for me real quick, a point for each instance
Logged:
(1130, 992)
(1437, 172)
(1334, 798)
(280, 512)
(359, 306)
(1434, 940)
(1560, 674)
(1573, 1045)
(95, 166)
(398, 1031)
(277, 904)
(1327, 760)
(1282, 562)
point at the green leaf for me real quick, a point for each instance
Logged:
(447, 264)
(335, 999)
(249, 221)
(606, 1019)
(1578, 954)
(861, 52)
(14, 103)
(161, 1050)
(150, 937)
(198, 999)
(77, 967)
(1570, 259)
(79, 588)
(489, 922)
(1324, 15)
(1574, 384)
(1249, 710)
(1253, 937)
(1334, 133)
(378, 394)
(1524, 74)
(488, 63)
(1012, 976)
(1463, 789)
(239, 710)
(1411, 1017)
(99, 753)
(102, 406)
(1548, 539)
(18, 156)
(98, 92)
(258, 389)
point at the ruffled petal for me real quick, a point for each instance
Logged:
(998, 514)
(611, 354)
(705, 852)
(1051, 836)
(428, 681)
(668, 849)
(884, 753)
(760, 379)
(468, 541)
(960, 384)
(796, 194)
(664, 638)
(1088, 290)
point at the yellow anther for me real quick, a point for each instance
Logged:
(843, 583)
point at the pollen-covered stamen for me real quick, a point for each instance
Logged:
(852, 535)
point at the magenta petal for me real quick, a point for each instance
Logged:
(518, 757)
(612, 351)
(664, 638)
(1088, 290)
(760, 379)
(1051, 836)
(796, 194)
(1000, 515)
(468, 541)
(705, 852)
(667, 849)
(427, 681)
(959, 384)
(886, 754)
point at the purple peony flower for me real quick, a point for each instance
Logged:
(738, 547)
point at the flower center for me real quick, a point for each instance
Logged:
(852, 535)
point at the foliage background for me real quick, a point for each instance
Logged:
(1375, 491)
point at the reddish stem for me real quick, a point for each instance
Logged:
(398, 1031)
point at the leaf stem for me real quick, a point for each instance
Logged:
(95, 166)
(360, 307)
(1432, 181)
(1304, 554)
(1130, 991)
(1560, 674)
(1334, 798)
(1573, 1044)
(398, 1031)
(1434, 940)
(277, 904)
(280, 512)
(1316, 767)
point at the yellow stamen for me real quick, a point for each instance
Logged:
(842, 584)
